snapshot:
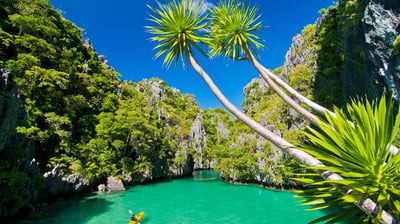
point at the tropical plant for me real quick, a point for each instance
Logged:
(180, 24)
(359, 152)
(170, 26)
(232, 24)
(179, 27)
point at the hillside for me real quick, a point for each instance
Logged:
(69, 124)
(349, 52)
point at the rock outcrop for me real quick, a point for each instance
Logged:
(23, 185)
(369, 63)
(160, 97)
(11, 110)
(198, 141)
(114, 184)
(57, 184)
(347, 53)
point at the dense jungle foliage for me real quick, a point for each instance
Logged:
(77, 112)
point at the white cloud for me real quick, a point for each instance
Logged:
(205, 7)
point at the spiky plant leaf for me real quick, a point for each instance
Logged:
(179, 26)
(233, 24)
(359, 152)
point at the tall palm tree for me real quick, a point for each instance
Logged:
(232, 24)
(179, 27)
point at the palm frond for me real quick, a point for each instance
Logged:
(179, 25)
(232, 27)
(359, 152)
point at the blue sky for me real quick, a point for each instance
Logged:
(116, 29)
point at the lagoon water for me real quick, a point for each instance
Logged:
(200, 199)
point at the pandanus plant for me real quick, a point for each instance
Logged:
(231, 34)
(359, 152)
(179, 27)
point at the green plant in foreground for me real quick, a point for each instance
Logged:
(359, 152)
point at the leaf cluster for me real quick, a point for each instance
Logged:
(78, 114)
(227, 29)
(359, 152)
(179, 27)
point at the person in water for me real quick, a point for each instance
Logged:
(133, 218)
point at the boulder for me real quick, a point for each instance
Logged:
(57, 184)
(102, 187)
(114, 184)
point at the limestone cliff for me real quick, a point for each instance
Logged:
(21, 186)
(349, 52)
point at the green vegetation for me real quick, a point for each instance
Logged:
(240, 155)
(396, 45)
(78, 113)
(359, 152)
(327, 85)
(232, 29)
(80, 116)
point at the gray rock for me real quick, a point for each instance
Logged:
(56, 184)
(102, 187)
(369, 64)
(11, 110)
(183, 164)
(223, 132)
(88, 44)
(126, 178)
(114, 184)
(77, 181)
(198, 140)
(298, 54)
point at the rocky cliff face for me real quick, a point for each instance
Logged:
(347, 53)
(22, 186)
(198, 141)
(355, 51)
(369, 63)
(10, 110)
(161, 99)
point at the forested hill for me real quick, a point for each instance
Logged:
(68, 122)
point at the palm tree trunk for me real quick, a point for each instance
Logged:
(273, 79)
(367, 205)
(302, 99)
(303, 157)
(307, 114)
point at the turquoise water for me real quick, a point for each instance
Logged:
(204, 198)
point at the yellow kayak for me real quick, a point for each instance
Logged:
(138, 217)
